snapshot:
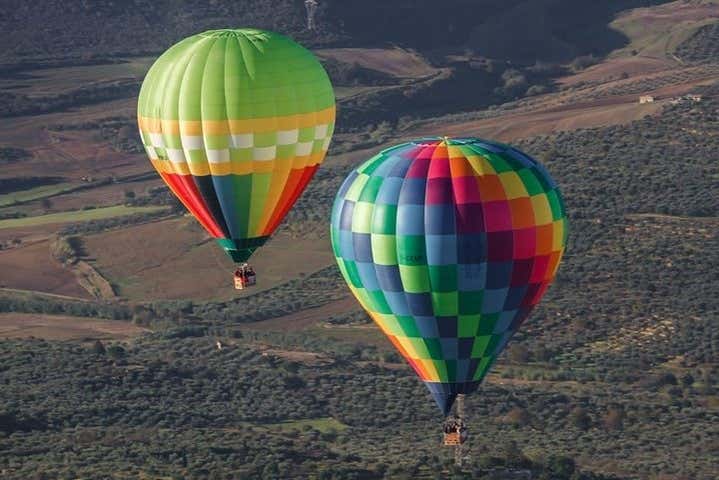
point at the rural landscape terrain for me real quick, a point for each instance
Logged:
(125, 352)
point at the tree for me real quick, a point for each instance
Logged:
(293, 382)
(62, 250)
(514, 455)
(614, 419)
(290, 367)
(561, 467)
(116, 352)
(536, 90)
(549, 155)
(98, 348)
(518, 416)
(580, 418)
(381, 469)
(580, 63)
(518, 354)
(541, 353)
(514, 81)
(126, 133)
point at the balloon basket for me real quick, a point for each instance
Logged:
(452, 439)
(245, 277)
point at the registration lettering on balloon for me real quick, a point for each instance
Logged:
(449, 244)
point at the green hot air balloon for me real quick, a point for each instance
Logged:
(449, 244)
(236, 122)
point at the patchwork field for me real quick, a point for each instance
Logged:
(32, 268)
(397, 62)
(147, 261)
(306, 318)
(57, 80)
(57, 327)
(570, 117)
(175, 259)
(615, 372)
(616, 68)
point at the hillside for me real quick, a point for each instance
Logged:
(125, 352)
(516, 30)
(702, 46)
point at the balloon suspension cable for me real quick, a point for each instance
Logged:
(215, 255)
(461, 450)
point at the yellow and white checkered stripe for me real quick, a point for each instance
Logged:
(222, 148)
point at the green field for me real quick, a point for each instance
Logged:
(58, 80)
(34, 194)
(76, 216)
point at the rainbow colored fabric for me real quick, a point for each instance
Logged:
(449, 244)
(236, 122)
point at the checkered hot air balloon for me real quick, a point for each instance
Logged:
(449, 244)
(236, 122)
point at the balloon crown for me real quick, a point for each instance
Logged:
(431, 141)
(248, 33)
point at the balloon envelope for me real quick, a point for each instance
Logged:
(236, 122)
(449, 244)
